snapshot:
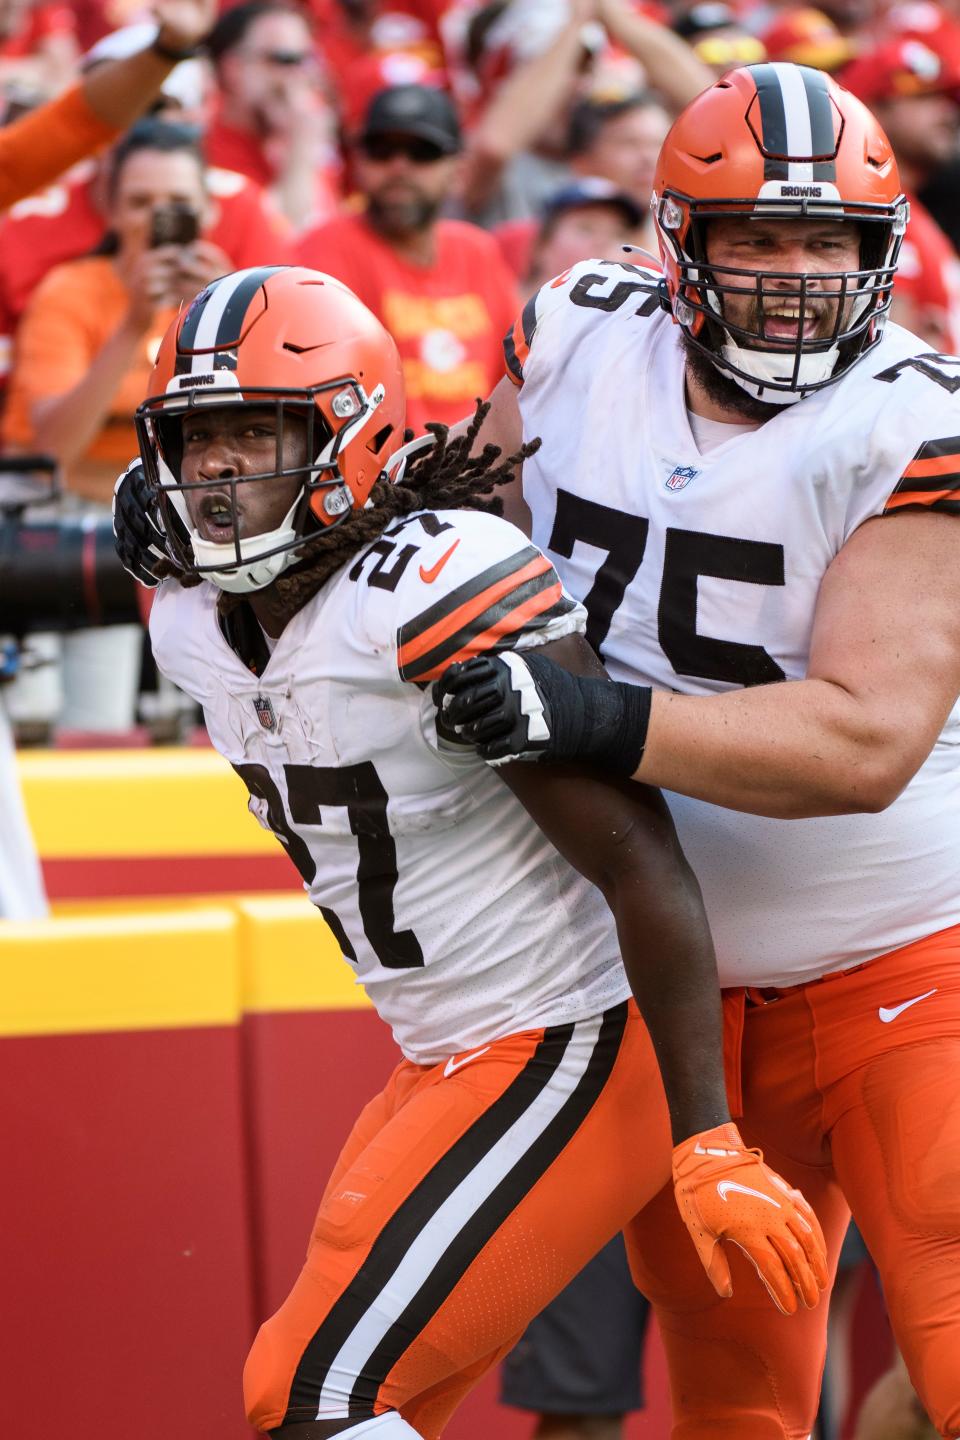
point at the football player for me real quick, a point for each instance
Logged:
(753, 485)
(323, 576)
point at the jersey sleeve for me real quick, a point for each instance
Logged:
(552, 318)
(477, 586)
(931, 480)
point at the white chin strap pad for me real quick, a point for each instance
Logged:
(243, 579)
(761, 368)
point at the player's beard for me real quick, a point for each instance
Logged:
(397, 218)
(723, 390)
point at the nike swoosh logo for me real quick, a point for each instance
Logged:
(428, 576)
(453, 1064)
(887, 1014)
(725, 1186)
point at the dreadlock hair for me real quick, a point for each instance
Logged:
(445, 477)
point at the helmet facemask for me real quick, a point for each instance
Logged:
(770, 369)
(323, 501)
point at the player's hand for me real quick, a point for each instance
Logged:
(184, 23)
(727, 1194)
(494, 703)
(523, 706)
(138, 530)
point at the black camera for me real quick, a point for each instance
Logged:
(60, 573)
(174, 224)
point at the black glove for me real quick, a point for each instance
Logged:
(139, 535)
(522, 706)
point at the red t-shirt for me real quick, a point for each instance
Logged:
(62, 223)
(928, 276)
(448, 318)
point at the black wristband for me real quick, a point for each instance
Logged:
(616, 718)
(171, 52)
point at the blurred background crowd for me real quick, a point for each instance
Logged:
(443, 157)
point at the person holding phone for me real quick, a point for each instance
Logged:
(85, 347)
(88, 337)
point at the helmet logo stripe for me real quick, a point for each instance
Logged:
(773, 121)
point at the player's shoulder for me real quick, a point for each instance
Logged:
(900, 392)
(592, 297)
(181, 621)
(441, 585)
(893, 424)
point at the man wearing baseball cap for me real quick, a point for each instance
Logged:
(441, 287)
(914, 92)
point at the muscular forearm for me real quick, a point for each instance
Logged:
(790, 750)
(66, 424)
(622, 839)
(669, 960)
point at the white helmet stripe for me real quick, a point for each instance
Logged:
(796, 109)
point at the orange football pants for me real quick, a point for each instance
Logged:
(466, 1197)
(851, 1087)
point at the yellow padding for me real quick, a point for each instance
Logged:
(149, 971)
(88, 803)
(290, 959)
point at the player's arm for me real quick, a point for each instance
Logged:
(47, 141)
(620, 837)
(884, 673)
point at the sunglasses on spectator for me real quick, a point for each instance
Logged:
(289, 58)
(384, 147)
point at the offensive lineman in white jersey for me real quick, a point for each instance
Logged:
(754, 489)
(314, 599)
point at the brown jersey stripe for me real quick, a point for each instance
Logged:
(523, 606)
(499, 629)
(947, 500)
(934, 467)
(457, 607)
(516, 345)
(936, 449)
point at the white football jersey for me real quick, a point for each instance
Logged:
(700, 573)
(460, 919)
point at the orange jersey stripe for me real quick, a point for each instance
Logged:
(920, 497)
(506, 625)
(936, 465)
(448, 626)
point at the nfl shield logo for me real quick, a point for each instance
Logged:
(265, 712)
(680, 476)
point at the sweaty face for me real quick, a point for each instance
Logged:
(817, 249)
(225, 444)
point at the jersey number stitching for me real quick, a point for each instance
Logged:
(688, 554)
(359, 790)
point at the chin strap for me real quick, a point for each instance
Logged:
(262, 570)
(758, 371)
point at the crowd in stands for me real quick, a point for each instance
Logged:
(443, 157)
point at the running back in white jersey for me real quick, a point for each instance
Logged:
(458, 916)
(700, 573)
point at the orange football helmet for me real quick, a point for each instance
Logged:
(778, 141)
(301, 341)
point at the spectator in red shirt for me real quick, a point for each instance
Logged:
(914, 94)
(273, 123)
(441, 287)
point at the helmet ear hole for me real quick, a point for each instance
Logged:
(376, 444)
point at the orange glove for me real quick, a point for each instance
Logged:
(725, 1192)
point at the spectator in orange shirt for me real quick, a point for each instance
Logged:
(85, 344)
(441, 287)
(273, 122)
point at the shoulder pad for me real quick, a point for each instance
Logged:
(580, 296)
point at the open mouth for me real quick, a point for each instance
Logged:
(217, 520)
(788, 323)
